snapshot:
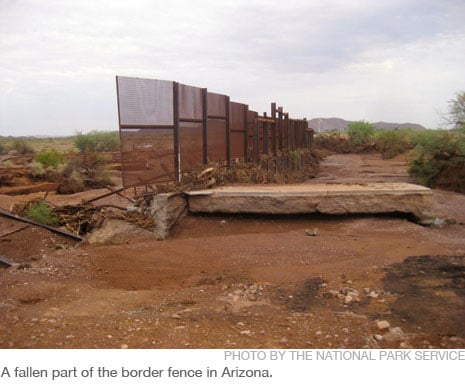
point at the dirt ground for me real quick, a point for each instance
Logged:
(245, 281)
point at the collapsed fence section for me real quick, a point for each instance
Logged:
(167, 128)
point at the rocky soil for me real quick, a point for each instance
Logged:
(245, 281)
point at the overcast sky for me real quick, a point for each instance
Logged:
(397, 60)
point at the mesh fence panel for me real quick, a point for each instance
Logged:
(190, 102)
(147, 155)
(145, 102)
(191, 145)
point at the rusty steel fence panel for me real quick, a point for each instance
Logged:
(252, 118)
(216, 105)
(190, 103)
(217, 127)
(190, 145)
(190, 126)
(238, 126)
(167, 128)
(261, 137)
(217, 140)
(147, 156)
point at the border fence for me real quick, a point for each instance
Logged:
(167, 128)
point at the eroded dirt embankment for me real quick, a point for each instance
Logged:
(249, 281)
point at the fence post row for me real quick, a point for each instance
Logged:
(144, 137)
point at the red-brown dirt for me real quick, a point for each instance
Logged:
(245, 281)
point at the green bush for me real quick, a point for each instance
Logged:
(51, 158)
(97, 141)
(429, 139)
(22, 147)
(439, 159)
(93, 166)
(360, 132)
(41, 212)
(393, 142)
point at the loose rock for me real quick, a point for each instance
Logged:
(395, 334)
(383, 325)
(311, 232)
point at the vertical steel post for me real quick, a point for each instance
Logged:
(280, 128)
(177, 149)
(265, 135)
(256, 140)
(119, 110)
(304, 130)
(273, 140)
(286, 130)
(228, 131)
(246, 131)
(120, 131)
(205, 125)
(294, 134)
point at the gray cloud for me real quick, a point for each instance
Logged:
(59, 58)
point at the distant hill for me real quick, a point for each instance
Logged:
(394, 126)
(330, 124)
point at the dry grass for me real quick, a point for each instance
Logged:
(64, 144)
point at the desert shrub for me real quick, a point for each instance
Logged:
(70, 178)
(37, 169)
(21, 147)
(77, 175)
(393, 142)
(41, 212)
(97, 141)
(440, 155)
(439, 159)
(3, 148)
(72, 181)
(360, 133)
(93, 167)
(334, 141)
(95, 171)
(49, 158)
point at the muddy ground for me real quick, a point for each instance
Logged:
(245, 281)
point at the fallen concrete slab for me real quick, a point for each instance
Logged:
(163, 210)
(336, 199)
